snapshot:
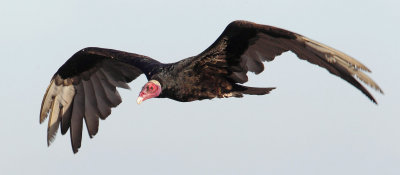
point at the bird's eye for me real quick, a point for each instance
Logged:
(150, 87)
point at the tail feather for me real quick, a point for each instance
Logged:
(257, 91)
(252, 90)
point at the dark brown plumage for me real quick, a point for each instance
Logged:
(84, 88)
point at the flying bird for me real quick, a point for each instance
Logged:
(84, 87)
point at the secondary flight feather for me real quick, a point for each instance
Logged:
(84, 87)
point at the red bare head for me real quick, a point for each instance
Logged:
(150, 89)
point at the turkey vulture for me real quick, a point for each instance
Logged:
(84, 87)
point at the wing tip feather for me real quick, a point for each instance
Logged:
(45, 106)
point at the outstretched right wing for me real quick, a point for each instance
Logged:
(85, 88)
(244, 46)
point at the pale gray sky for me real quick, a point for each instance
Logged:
(312, 124)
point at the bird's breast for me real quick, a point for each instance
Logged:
(190, 88)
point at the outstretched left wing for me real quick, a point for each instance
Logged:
(85, 88)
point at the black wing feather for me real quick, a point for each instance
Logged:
(84, 87)
(243, 46)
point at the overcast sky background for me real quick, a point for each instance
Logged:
(312, 124)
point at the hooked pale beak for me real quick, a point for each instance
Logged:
(139, 100)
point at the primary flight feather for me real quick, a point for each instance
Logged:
(84, 87)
